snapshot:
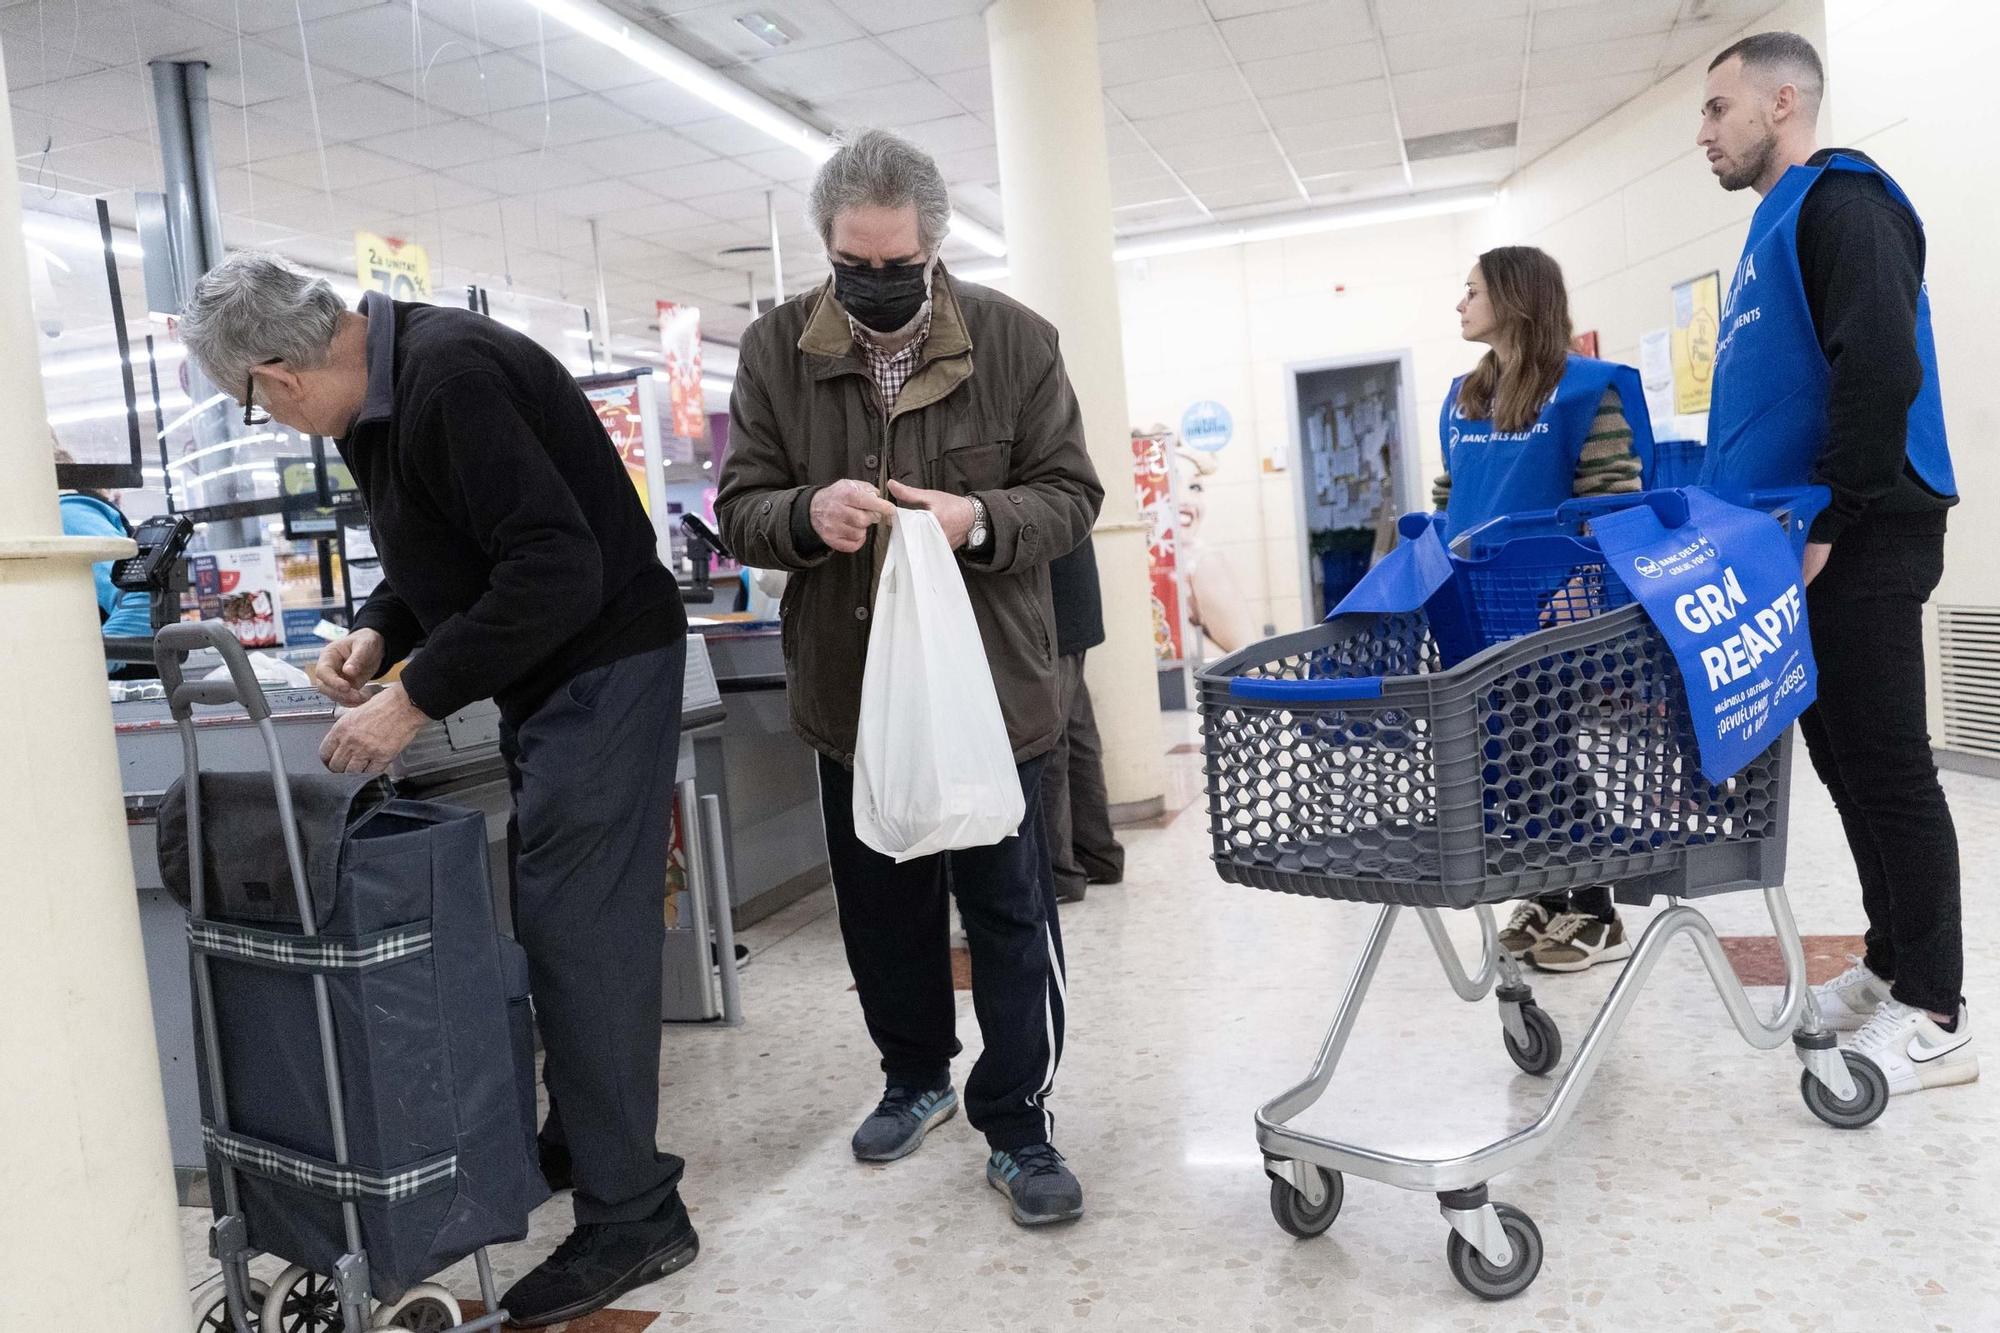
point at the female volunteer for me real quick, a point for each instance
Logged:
(1530, 427)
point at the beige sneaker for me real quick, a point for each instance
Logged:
(1524, 930)
(1577, 941)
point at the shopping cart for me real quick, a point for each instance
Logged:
(262, 1184)
(1525, 732)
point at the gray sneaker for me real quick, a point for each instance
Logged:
(896, 1128)
(1037, 1182)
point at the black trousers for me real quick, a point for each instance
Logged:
(1869, 738)
(592, 773)
(1076, 808)
(896, 922)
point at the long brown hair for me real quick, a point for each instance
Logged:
(1525, 287)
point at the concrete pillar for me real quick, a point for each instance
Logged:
(1055, 187)
(88, 1233)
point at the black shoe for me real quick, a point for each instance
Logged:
(601, 1262)
(1072, 893)
(896, 1127)
(1037, 1182)
(556, 1168)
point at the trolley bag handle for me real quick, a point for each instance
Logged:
(171, 647)
(1259, 689)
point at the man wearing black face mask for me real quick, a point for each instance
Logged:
(896, 384)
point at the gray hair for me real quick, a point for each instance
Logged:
(877, 169)
(252, 308)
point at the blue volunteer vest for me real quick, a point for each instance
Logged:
(1767, 412)
(1495, 472)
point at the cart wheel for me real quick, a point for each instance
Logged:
(302, 1301)
(1544, 1048)
(1871, 1094)
(211, 1307)
(1481, 1278)
(1296, 1215)
(423, 1309)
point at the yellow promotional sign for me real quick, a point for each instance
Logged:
(1697, 321)
(396, 268)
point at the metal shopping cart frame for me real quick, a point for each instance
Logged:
(348, 1287)
(1494, 1249)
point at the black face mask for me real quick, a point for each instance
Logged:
(884, 299)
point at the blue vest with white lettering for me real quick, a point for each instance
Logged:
(1495, 472)
(1767, 413)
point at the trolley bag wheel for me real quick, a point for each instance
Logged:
(211, 1307)
(302, 1301)
(1544, 1048)
(1871, 1094)
(423, 1309)
(1298, 1216)
(1481, 1278)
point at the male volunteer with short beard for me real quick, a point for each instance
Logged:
(1825, 373)
(517, 550)
(896, 382)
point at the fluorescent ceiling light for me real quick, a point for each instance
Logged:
(679, 68)
(1215, 237)
(764, 29)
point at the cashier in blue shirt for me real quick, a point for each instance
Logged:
(96, 514)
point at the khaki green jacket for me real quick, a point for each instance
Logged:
(989, 411)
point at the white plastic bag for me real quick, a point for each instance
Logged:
(933, 769)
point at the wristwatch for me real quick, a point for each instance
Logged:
(976, 539)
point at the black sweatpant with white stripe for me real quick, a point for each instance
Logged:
(896, 921)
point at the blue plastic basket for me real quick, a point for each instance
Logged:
(1675, 463)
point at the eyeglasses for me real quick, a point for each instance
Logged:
(253, 415)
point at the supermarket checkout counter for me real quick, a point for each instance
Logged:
(456, 761)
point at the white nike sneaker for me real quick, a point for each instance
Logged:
(1851, 998)
(1914, 1052)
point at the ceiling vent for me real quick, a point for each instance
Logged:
(1969, 666)
(1459, 142)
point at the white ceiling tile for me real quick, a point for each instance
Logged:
(114, 163)
(750, 205)
(358, 109)
(1177, 51)
(35, 133)
(26, 67)
(496, 24)
(1185, 127)
(889, 15)
(1470, 113)
(447, 142)
(430, 192)
(1118, 19)
(1316, 162)
(347, 167)
(942, 48)
(1358, 185)
(263, 73)
(1445, 173)
(587, 63)
(1457, 46)
(644, 150)
(1309, 27)
(482, 86)
(949, 134)
(785, 165)
(912, 102)
(970, 164)
(252, 195)
(726, 135)
(1354, 63)
(1406, 16)
(661, 103)
(572, 120)
(1352, 132)
(115, 101)
(1431, 86)
(601, 196)
(699, 178)
(1177, 92)
(1627, 55)
(263, 15)
(1701, 41)
(1593, 95)
(1253, 196)
(120, 33)
(1245, 151)
(832, 71)
(1320, 105)
(1126, 168)
(1166, 213)
(1147, 190)
(526, 173)
(1582, 24)
(655, 223)
(1232, 9)
(367, 43)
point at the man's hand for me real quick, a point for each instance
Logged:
(368, 739)
(954, 512)
(843, 512)
(346, 664)
(1815, 561)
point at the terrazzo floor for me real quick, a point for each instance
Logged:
(1692, 1191)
